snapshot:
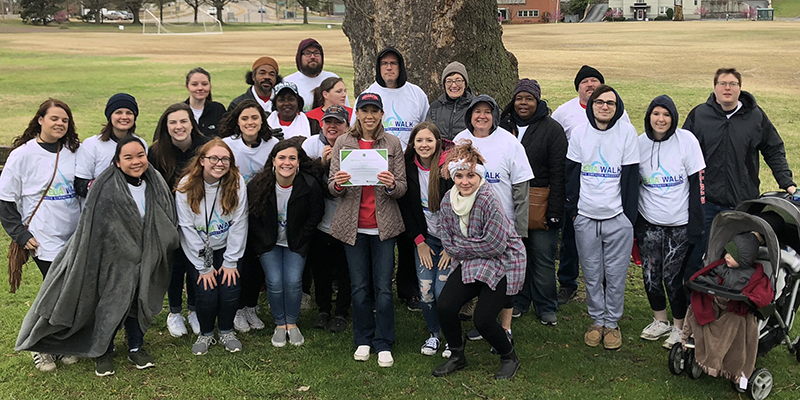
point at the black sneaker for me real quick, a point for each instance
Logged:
(565, 295)
(413, 304)
(474, 335)
(517, 312)
(338, 324)
(141, 359)
(104, 365)
(322, 320)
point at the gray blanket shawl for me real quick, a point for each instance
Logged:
(114, 266)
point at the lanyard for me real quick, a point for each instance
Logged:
(205, 208)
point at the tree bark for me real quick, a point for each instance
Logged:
(678, 13)
(430, 34)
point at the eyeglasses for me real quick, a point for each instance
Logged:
(731, 84)
(214, 160)
(451, 82)
(311, 53)
(600, 103)
(389, 63)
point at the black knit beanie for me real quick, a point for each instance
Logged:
(587, 72)
(121, 100)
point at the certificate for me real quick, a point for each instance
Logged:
(363, 165)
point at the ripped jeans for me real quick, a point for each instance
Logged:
(431, 282)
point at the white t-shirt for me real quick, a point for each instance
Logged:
(95, 155)
(25, 176)
(250, 160)
(571, 115)
(521, 132)
(137, 192)
(282, 195)
(301, 126)
(665, 168)
(228, 231)
(431, 218)
(197, 114)
(265, 105)
(506, 164)
(313, 148)
(601, 155)
(403, 108)
(306, 86)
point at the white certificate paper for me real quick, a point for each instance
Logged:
(363, 165)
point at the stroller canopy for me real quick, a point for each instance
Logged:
(728, 224)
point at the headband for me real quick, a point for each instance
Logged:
(462, 164)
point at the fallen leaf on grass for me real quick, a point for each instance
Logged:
(303, 388)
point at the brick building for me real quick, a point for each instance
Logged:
(526, 11)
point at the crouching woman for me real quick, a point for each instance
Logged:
(489, 257)
(115, 269)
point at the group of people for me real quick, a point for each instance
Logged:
(474, 199)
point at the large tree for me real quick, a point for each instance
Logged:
(220, 4)
(134, 6)
(38, 11)
(195, 5)
(430, 34)
(306, 4)
(95, 9)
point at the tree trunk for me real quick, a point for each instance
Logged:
(678, 13)
(161, 12)
(305, 15)
(430, 34)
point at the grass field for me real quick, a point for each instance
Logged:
(84, 66)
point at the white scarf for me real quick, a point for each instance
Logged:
(299, 127)
(462, 206)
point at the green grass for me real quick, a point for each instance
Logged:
(786, 8)
(556, 363)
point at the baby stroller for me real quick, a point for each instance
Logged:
(780, 263)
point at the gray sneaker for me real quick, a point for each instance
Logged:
(295, 337)
(230, 341)
(202, 344)
(564, 295)
(279, 337)
(549, 319)
(104, 365)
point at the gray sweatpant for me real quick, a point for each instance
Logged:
(604, 249)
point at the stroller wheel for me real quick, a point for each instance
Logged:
(695, 372)
(676, 359)
(760, 384)
(736, 387)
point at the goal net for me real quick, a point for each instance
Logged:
(180, 22)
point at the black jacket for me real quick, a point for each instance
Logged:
(247, 95)
(730, 148)
(411, 203)
(181, 157)
(546, 147)
(209, 120)
(303, 214)
(448, 114)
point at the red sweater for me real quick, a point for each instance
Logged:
(366, 211)
(758, 290)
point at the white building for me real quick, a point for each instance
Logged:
(641, 10)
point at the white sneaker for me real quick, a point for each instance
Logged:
(431, 346)
(67, 360)
(446, 353)
(240, 322)
(674, 337)
(656, 330)
(305, 302)
(175, 325)
(194, 322)
(385, 359)
(44, 362)
(252, 318)
(362, 353)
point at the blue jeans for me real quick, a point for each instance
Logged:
(540, 278)
(132, 331)
(431, 282)
(372, 329)
(218, 304)
(284, 271)
(568, 269)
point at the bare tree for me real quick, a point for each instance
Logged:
(134, 6)
(219, 4)
(306, 4)
(195, 5)
(95, 8)
(431, 34)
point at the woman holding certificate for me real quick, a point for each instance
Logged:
(368, 222)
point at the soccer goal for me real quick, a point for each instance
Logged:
(180, 23)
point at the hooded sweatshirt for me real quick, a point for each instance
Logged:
(405, 106)
(731, 145)
(307, 84)
(506, 162)
(602, 168)
(669, 169)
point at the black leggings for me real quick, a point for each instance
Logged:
(490, 302)
(252, 277)
(664, 251)
(326, 259)
(44, 266)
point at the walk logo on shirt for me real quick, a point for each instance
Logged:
(217, 226)
(395, 124)
(600, 169)
(250, 175)
(663, 179)
(282, 215)
(61, 189)
(492, 177)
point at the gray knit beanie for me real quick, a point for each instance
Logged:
(455, 67)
